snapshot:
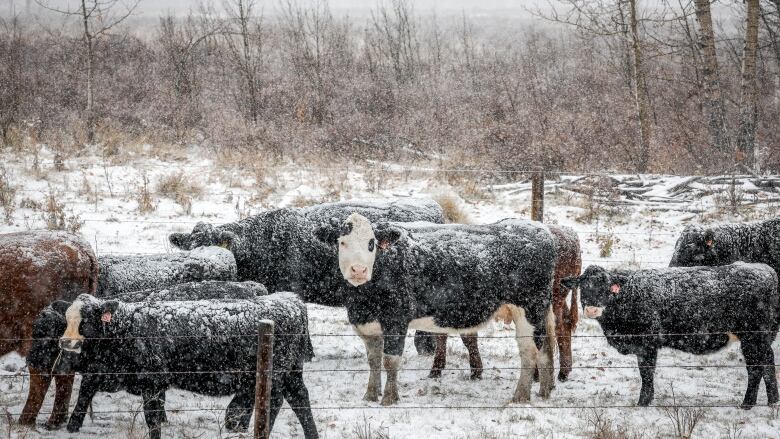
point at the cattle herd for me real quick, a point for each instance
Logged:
(143, 324)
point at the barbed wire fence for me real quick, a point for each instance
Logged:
(537, 203)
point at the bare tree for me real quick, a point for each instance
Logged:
(319, 48)
(713, 98)
(244, 37)
(746, 132)
(396, 40)
(98, 17)
(615, 18)
(12, 75)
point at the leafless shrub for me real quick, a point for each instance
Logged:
(683, 419)
(144, 198)
(733, 430)
(7, 196)
(56, 217)
(601, 426)
(180, 188)
(454, 210)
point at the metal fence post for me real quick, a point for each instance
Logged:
(265, 347)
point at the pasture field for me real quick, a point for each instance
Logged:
(130, 206)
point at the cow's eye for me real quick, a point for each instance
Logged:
(343, 243)
(371, 244)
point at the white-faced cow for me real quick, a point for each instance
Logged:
(450, 279)
(204, 346)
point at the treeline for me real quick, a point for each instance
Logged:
(603, 84)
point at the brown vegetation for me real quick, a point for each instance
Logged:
(446, 91)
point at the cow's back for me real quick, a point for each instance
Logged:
(37, 268)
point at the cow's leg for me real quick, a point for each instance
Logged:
(646, 363)
(475, 360)
(392, 364)
(39, 385)
(770, 377)
(394, 339)
(154, 409)
(563, 330)
(239, 411)
(297, 395)
(425, 342)
(63, 387)
(277, 399)
(87, 391)
(440, 357)
(544, 340)
(528, 354)
(752, 350)
(374, 346)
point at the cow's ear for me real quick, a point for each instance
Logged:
(386, 235)
(227, 239)
(60, 306)
(327, 233)
(180, 240)
(570, 283)
(618, 278)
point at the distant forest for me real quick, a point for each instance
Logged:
(621, 85)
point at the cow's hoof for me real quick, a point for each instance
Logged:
(371, 395)
(746, 406)
(52, 426)
(389, 400)
(563, 377)
(73, 428)
(476, 375)
(435, 373)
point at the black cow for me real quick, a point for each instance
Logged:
(694, 309)
(277, 248)
(119, 274)
(445, 279)
(148, 347)
(728, 243)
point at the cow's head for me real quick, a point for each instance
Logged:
(85, 318)
(358, 242)
(203, 235)
(597, 287)
(696, 246)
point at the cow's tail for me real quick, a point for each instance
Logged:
(94, 273)
(549, 329)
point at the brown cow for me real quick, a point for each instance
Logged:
(566, 316)
(37, 268)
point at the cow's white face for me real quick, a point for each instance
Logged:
(357, 250)
(87, 317)
(72, 340)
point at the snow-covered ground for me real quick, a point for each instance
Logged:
(104, 196)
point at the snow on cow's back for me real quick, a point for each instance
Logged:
(26, 246)
(398, 209)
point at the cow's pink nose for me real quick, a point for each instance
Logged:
(359, 270)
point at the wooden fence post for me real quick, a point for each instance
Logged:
(537, 195)
(265, 347)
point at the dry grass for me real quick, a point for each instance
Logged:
(603, 427)
(454, 208)
(144, 198)
(56, 217)
(7, 196)
(180, 188)
(365, 430)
